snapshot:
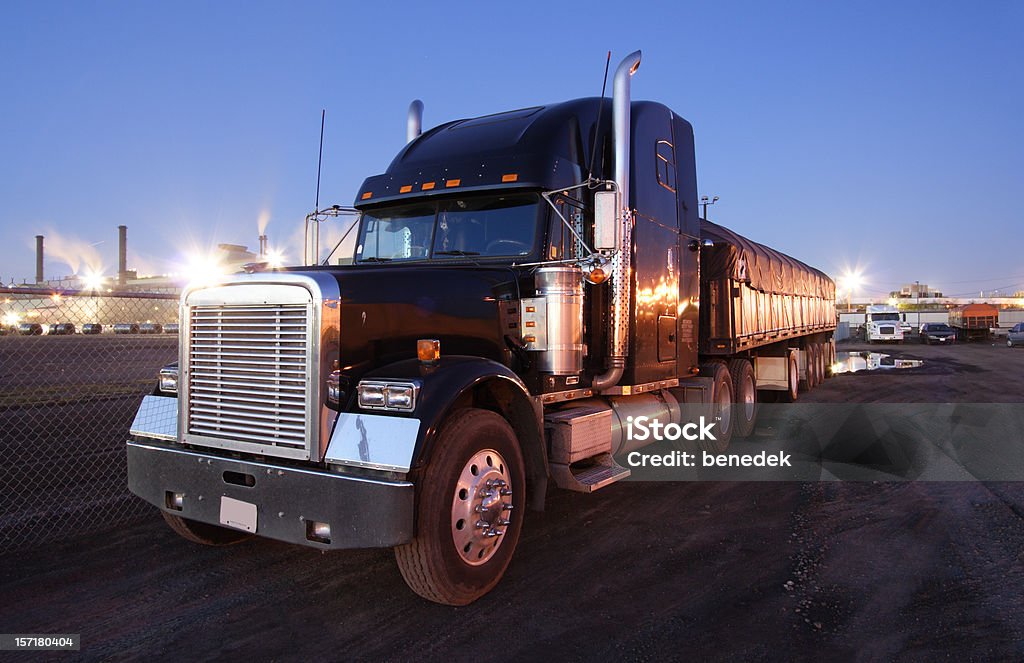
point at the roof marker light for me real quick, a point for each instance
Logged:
(510, 177)
(405, 189)
(450, 183)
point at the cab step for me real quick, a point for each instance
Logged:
(593, 476)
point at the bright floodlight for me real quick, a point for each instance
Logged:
(11, 319)
(93, 281)
(851, 281)
(275, 258)
(204, 268)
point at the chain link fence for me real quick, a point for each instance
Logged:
(73, 368)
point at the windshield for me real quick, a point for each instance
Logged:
(938, 327)
(467, 228)
(885, 317)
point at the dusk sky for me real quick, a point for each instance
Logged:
(884, 135)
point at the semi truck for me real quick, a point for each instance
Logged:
(883, 324)
(521, 285)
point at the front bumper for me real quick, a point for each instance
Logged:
(362, 512)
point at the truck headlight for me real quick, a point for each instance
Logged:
(169, 380)
(380, 395)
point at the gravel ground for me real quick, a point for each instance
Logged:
(709, 571)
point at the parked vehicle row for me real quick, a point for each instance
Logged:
(90, 328)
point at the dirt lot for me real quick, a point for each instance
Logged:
(710, 571)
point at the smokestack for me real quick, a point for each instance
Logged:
(263, 245)
(618, 339)
(39, 258)
(414, 123)
(122, 255)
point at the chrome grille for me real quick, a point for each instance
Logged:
(248, 375)
(889, 331)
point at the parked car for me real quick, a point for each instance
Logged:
(151, 328)
(30, 329)
(62, 329)
(171, 328)
(126, 328)
(92, 328)
(1015, 336)
(937, 332)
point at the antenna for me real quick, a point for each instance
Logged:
(320, 159)
(315, 243)
(597, 127)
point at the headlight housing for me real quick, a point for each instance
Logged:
(391, 395)
(169, 380)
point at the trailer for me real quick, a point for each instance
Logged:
(762, 304)
(522, 286)
(974, 322)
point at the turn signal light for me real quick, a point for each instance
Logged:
(428, 350)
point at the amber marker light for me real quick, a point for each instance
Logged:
(428, 350)
(450, 183)
(511, 177)
(405, 189)
(427, 186)
(366, 196)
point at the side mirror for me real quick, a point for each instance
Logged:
(607, 224)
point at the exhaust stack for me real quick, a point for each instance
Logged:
(414, 125)
(39, 258)
(618, 337)
(122, 255)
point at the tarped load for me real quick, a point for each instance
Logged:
(736, 257)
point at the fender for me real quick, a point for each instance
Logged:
(456, 381)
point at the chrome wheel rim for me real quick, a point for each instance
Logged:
(748, 397)
(724, 413)
(481, 507)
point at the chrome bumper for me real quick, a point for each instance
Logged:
(362, 513)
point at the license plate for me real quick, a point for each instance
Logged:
(238, 514)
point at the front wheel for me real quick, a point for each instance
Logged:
(470, 500)
(204, 533)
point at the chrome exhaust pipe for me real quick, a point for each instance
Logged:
(618, 337)
(414, 125)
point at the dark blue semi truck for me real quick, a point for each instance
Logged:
(520, 285)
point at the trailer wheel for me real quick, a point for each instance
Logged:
(823, 363)
(469, 508)
(793, 377)
(721, 406)
(204, 533)
(810, 379)
(744, 394)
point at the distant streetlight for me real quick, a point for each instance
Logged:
(849, 282)
(705, 202)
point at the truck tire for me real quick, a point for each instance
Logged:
(721, 406)
(204, 533)
(793, 377)
(469, 506)
(810, 380)
(823, 362)
(744, 394)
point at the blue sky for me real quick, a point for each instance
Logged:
(880, 134)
